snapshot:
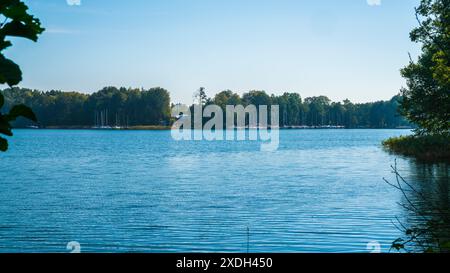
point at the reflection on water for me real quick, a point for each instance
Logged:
(126, 191)
(426, 220)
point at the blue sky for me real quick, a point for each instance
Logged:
(338, 48)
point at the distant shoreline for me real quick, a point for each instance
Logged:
(167, 128)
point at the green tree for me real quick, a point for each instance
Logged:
(318, 109)
(16, 22)
(256, 98)
(426, 99)
(130, 106)
(225, 98)
(201, 97)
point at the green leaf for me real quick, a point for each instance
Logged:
(19, 29)
(21, 111)
(5, 44)
(9, 72)
(5, 3)
(3, 144)
(5, 127)
(15, 9)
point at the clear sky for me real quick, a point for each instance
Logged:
(338, 48)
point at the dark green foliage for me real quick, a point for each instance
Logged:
(256, 98)
(426, 102)
(9, 72)
(17, 23)
(152, 107)
(423, 147)
(320, 111)
(119, 106)
(129, 106)
(225, 98)
(427, 95)
(426, 99)
(6, 119)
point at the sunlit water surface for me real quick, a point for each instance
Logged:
(141, 191)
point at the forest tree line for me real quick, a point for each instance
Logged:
(124, 107)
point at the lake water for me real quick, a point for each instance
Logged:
(141, 191)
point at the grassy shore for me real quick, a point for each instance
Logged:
(426, 148)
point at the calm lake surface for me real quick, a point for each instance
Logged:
(141, 191)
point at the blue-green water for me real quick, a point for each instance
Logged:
(141, 191)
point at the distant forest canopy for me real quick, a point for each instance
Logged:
(124, 107)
